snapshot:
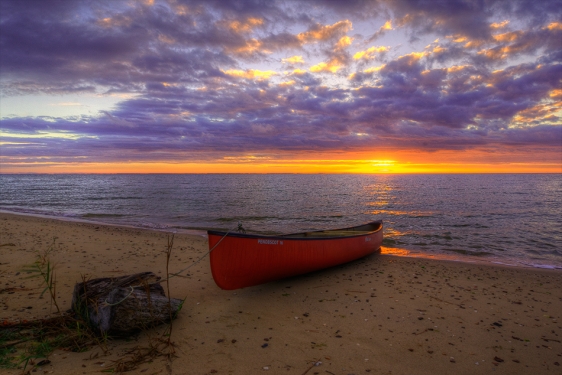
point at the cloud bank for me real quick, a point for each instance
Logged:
(205, 80)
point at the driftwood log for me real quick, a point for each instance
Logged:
(124, 305)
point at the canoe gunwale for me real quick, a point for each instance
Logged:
(304, 235)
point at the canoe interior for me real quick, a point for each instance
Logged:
(345, 232)
(359, 230)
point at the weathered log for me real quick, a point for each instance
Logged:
(124, 305)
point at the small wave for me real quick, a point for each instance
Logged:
(92, 215)
(317, 220)
(153, 226)
(227, 219)
(543, 244)
(540, 253)
(389, 242)
(470, 253)
(544, 266)
(246, 218)
(111, 198)
(447, 237)
(31, 211)
(473, 225)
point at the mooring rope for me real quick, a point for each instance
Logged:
(239, 228)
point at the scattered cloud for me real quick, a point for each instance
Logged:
(370, 53)
(251, 73)
(246, 26)
(293, 60)
(320, 33)
(499, 25)
(331, 67)
(387, 26)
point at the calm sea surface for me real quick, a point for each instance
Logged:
(514, 218)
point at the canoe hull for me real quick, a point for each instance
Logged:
(242, 260)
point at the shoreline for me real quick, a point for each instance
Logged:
(380, 314)
(93, 222)
(391, 251)
(490, 260)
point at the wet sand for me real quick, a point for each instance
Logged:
(380, 315)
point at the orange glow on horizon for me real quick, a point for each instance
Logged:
(281, 166)
(375, 162)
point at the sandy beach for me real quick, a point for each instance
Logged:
(380, 315)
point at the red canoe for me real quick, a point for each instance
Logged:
(242, 260)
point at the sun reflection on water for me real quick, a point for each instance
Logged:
(398, 252)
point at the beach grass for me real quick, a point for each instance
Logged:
(26, 345)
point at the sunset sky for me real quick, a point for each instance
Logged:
(280, 86)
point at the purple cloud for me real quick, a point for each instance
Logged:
(477, 87)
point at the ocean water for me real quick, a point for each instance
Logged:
(507, 218)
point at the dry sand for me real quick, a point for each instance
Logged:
(380, 315)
